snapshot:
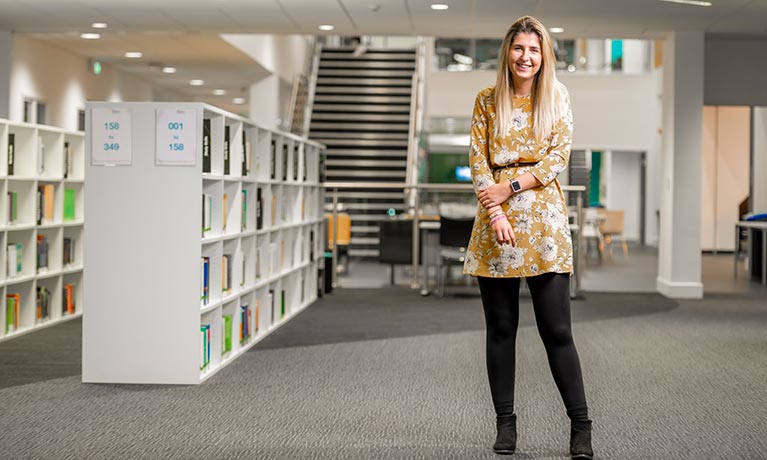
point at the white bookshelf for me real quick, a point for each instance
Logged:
(145, 244)
(52, 159)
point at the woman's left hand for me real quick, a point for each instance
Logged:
(494, 195)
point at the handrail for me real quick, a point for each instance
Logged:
(311, 86)
(334, 187)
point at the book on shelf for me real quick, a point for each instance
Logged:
(248, 150)
(42, 251)
(258, 263)
(226, 150)
(67, 160)
(272, 161)
(205, 280)
(13, 206)
(245, 319)
(68, 304)
(69, 204)
(45, 201)
(242, 271)
(301, 286)
(282, 303)
(244, 216)
(225, 210)
(69, 251)
(282, 255)
(12, 316)
(259, 209)
(244, 162)
(43, 303)
(226, 273)
(295, 162)
(274, 207)
(14, 258)
(284, 161)
(11, 153)
(207, 208)
(306, 165)
(274, 263)
(206, 145)
(40, 156)
(226, 344)
(272, 314)
(205, 341)
(257, 313)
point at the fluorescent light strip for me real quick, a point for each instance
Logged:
(327, 27)
(90, 36)
(439, 6)
(133, 55)
(219, 92)
(556, 30)
(196, 82)
(168, 69)
(688, 2)
(99, 25)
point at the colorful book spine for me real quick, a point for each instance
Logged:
(282, 303)
(227, 326)
(206, 145)
(244, 216)
(226, 151)
(205, 280)
(69, 204)
(68, 305)
(273, 161)
(259, 209)
(11, 153)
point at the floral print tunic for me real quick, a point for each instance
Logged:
(537, 215)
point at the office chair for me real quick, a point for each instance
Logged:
(454, 235)
(395, 243)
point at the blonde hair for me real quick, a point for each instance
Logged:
(547, 109)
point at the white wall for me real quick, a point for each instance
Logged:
(735, 70)
(623, 173)
(67, 88)
(6, 47)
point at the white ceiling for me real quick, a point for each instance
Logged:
(184, 33)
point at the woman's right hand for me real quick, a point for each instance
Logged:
(503, 232)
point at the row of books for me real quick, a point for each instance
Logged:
(227, 280)
(44, 208)
(243, 215)
(42, 251)
(205, 341)
(15, 255)
(12, 160)
(273, 162)
(247, 150)
(42, 306)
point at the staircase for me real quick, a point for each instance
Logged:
(361, 111)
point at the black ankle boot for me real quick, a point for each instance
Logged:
(506, 441)
(580, 440)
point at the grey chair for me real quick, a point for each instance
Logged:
(454, 235)
(395, 244)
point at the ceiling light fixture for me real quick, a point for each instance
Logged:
(439, 6)
(168, 69)
(196, 82)
(688, 2)
(99, 25)
(90, 36)
(556, 30)
(238, 100)
(134, 55)
(327, 27)
(219, 92)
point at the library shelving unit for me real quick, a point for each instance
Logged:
(206, 237)
(41, 226)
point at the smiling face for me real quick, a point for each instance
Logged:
(524, 61)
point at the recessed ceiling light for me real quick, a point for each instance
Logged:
(238, 100)
(99, 25)
(219, 92)
(168, 69)
(556, 30)
(327, 27)
(439, 6)
(134, 54)
(196, 82)
(90, 36)
(688, 2)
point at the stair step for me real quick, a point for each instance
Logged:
(363, 90)
(354, 108)
(366, 65)
(325, 82)
(361, 99)
(367, 163)
(368, 56)
(332, 153)
(358, 135)
(360, 73)
(380, 175)
(345, 194)
(356, 126)
(376, 117)
(360, 142)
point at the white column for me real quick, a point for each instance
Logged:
(264, 100)
(759, 160)
(6, 42)
(679, 265)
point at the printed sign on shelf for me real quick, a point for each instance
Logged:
(111, 137)
(176, 137)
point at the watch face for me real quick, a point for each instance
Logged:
(515, 186)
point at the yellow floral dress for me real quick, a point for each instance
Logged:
(538, 215)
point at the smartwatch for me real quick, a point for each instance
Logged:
(516, 187)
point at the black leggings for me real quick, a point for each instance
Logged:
(551, 302)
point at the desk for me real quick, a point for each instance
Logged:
(761, 228)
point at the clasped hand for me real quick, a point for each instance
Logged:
(492, 196)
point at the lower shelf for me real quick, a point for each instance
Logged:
(211, 371)
(37, 327)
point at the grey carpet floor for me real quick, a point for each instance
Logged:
(348, 379)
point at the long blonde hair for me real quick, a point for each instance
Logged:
(547, 109)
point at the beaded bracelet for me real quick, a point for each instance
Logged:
(496, 218)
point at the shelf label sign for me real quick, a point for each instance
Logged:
(176, 137)
(111, 137)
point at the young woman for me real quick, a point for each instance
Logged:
(520, 141)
